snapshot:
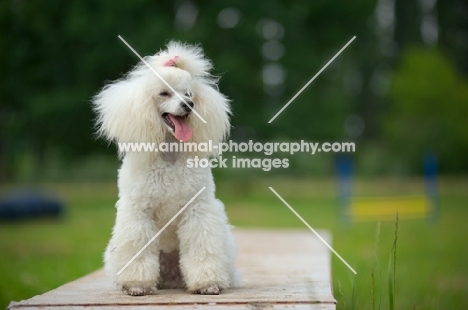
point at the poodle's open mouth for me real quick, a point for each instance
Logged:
(179, 126)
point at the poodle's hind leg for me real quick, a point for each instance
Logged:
(132, 230)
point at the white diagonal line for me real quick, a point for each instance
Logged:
(311, 80)
(313, 230)
(159, 232)
(160, 77)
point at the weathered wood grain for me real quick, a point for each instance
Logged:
(282, 269)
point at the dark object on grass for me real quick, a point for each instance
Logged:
(26, 203)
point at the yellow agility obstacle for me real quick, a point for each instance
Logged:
(385, 208)
(360, 209)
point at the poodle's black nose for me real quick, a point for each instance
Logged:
(188, 105)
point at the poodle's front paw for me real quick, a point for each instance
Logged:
(135, 289)
(211, 289)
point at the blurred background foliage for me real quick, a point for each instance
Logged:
(398, 90)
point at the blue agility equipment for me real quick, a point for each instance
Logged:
(358, 209)
(29, 203)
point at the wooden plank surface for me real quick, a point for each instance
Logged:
(281, 269)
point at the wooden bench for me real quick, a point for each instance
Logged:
(281, 269)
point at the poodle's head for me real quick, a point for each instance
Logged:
(171, 97)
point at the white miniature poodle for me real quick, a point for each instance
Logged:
(197, 250)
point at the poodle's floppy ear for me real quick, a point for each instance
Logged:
(186, 57)
(124, 110)
(214, 108)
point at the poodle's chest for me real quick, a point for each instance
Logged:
(161, 188)
(162, 193)
(161, 177)
(165, 188)
(172, 182)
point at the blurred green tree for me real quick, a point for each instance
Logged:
(430, 107)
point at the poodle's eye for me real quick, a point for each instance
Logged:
(164, 94)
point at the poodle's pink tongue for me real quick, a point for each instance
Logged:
(182, 131)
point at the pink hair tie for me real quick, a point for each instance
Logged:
(171, 62)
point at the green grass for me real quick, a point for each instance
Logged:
(431, 262)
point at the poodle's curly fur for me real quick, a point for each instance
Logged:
(196, 251)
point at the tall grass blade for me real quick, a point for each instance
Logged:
(373, 289)
(390, 282)
(340, 289)
(376, 250)
(392, 269)
(395, 250)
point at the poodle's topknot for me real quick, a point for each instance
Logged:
(186, 57)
